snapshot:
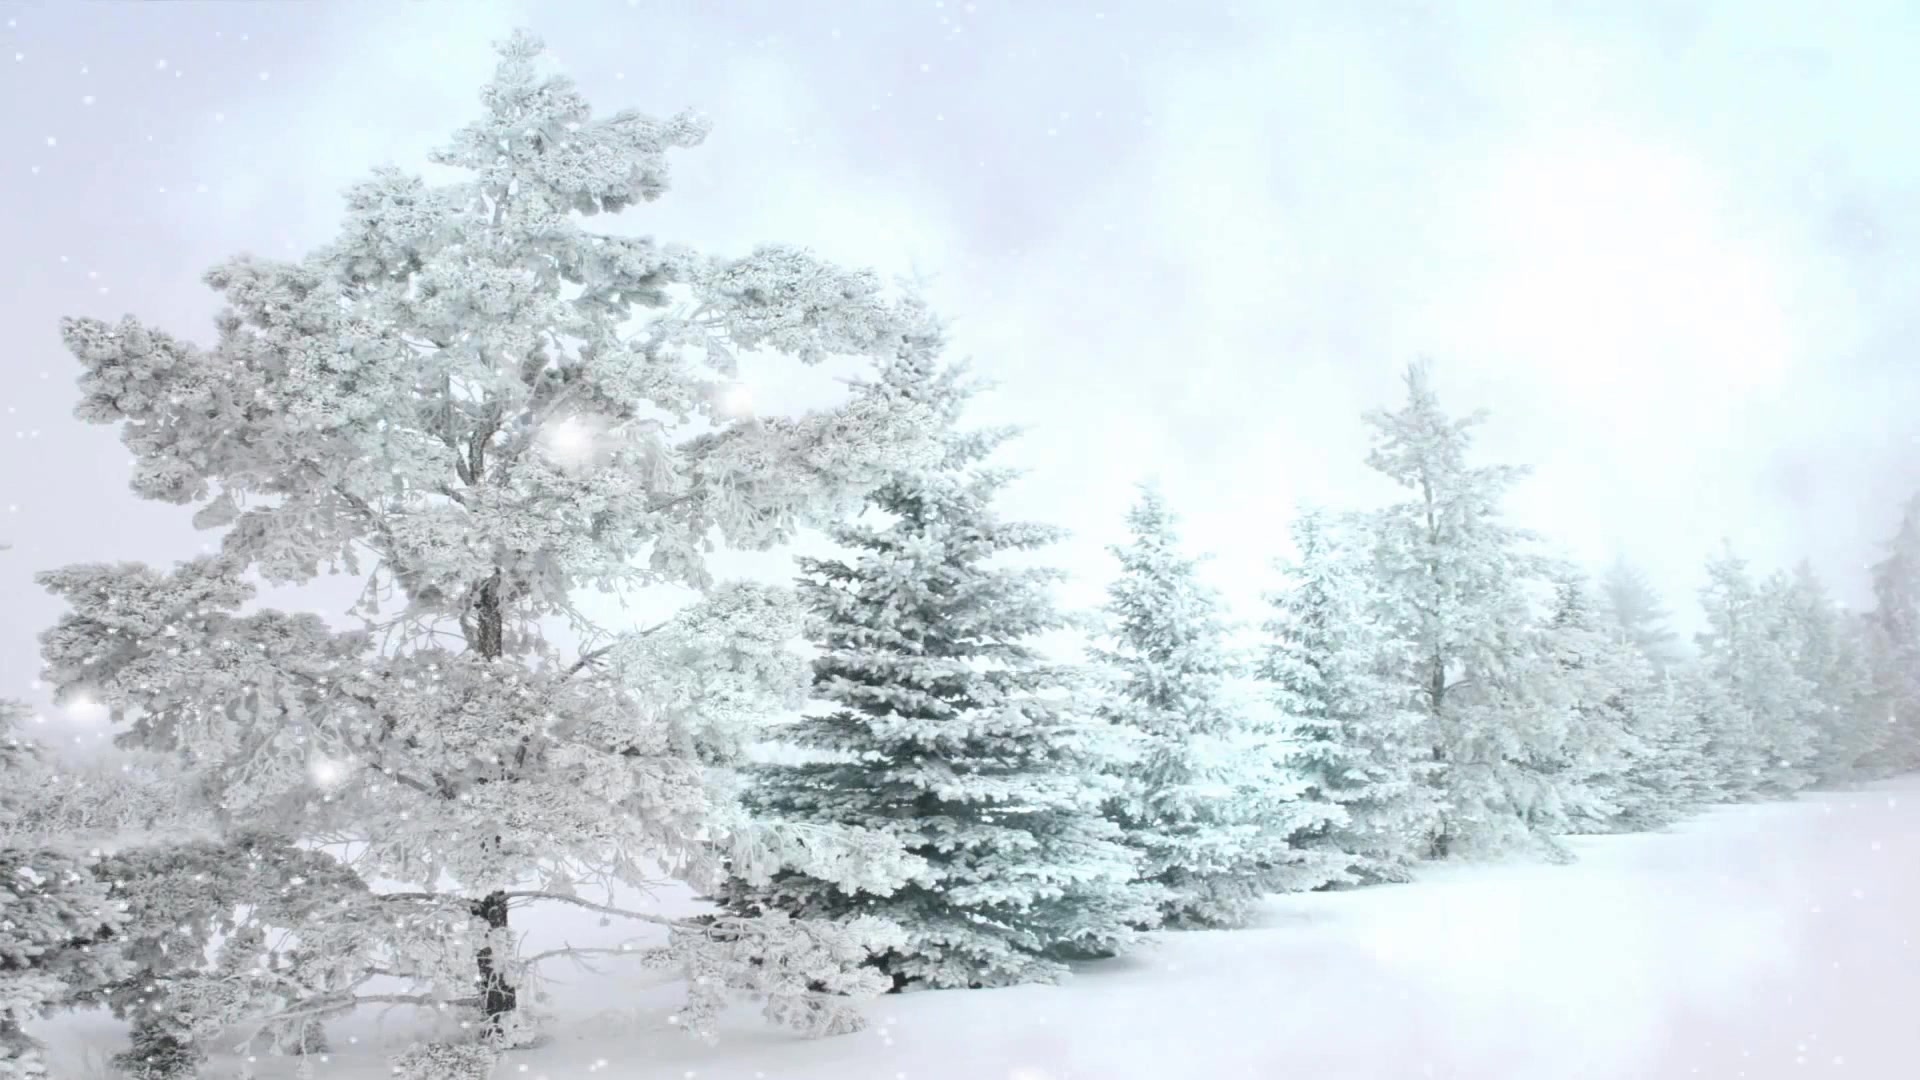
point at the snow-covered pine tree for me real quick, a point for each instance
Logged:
(1669, 775)
(1721, 733)
(952, 735)
(181, 941)
(1894, 638)
(1210, 804)
(1745, 650)
(1457, 584)
(485, 408)
(1871, 739)
(1592, 672)
(57, 927)
(1329, 664)
(1829, 654)
(1630, 604)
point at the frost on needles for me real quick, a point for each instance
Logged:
(954, 736)
(1330, 665)
(1208, 801)
(1459, 585)
(483, 408)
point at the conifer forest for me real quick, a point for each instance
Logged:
(1299, 595)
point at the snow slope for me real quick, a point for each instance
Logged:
(1757, 942)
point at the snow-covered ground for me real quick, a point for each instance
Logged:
(1757, 942)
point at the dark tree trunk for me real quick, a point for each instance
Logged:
(488, 622)
(885, 963)
(497, 996)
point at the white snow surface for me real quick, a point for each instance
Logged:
(1753, 942)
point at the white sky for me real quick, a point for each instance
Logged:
(1665, 243)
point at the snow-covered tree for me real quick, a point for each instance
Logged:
(1329, 664)
(204, 935)
(1715, 733)
(1894, 640)
(166, 928)
(1631, 605)
(22, 767)
(1746, 650)
(1209, 804)
(105, 800)
(1669, 775)
(1591, 674)
(955, 737)
(1457, 584)
(485, 408)
(1829, 652)
(57, 925)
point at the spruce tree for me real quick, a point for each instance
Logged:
(1629, 602)
(1458, 584)
(955, 737)
(1746, 650)
(1668, 775)
(1592, 673)
(1894, 639)
(1329, 664)
(1717, 732)
(1828, 653)
(1209, 804)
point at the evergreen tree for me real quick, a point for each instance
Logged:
(485, 408)
(1829, 654)
(1457, 585)
(1209, 804)
(1330, 665)
(954, 737)
(1719, 732)
(1630, 604)
(1592, 673)
(1894, 640)
(1636, 744)
(57, 926)
(1669, 775)
(1746, 650)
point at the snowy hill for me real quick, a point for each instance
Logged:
(1754, 942)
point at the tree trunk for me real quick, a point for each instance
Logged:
(497, 996)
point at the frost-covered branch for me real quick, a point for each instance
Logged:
(485, 408)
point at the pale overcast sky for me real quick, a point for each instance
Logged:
(1666, 243)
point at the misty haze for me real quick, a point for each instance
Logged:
(959, 541)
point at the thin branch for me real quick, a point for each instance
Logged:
(341, 1004)
(576, 951)
(587, 659)
(637, 916)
